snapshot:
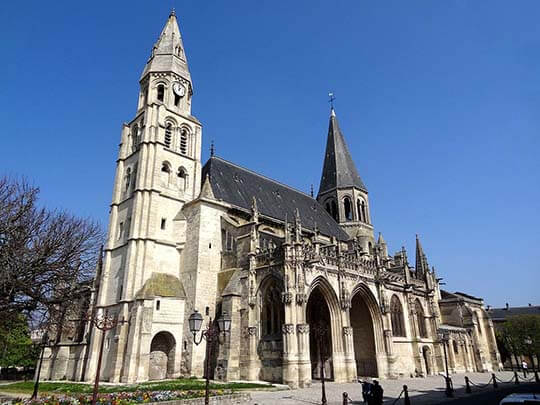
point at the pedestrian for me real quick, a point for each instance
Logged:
(525, 367)
(376, 393)
(366, 390)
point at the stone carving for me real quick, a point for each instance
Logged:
(288, 328)
(347, 330)
(287, 297)
(302, 328)
(301, 298)
(252, 331)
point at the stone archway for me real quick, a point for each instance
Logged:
(162, 351)
(317, 311)
(365, 352)
(367, 323)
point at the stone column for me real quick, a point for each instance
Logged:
(254, 364)
(348, 346)
(304, 361)
(290, 355)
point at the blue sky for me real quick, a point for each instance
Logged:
(438, 100)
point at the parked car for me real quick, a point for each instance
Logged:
(522, 399)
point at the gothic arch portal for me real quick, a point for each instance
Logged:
(323, 306)
(366, 321)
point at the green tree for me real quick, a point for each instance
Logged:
(521, 335)
(16, 347)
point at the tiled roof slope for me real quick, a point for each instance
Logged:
(237, 186)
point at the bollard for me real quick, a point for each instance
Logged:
(536, 376)
(406, 398)
(495, 385)
(467, 385)
(516, 377)
(345, 398)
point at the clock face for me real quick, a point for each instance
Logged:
(178, 89)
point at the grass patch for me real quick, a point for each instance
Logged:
(172, 385)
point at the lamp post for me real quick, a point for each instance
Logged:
(319, 331)
(104, 323)
(211, 334)
(44, 341)
(444, 337)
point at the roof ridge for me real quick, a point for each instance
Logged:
(263, 176)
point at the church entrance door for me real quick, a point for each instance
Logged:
(317, 312)
(364, 339)
(161, 356)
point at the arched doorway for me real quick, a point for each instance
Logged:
(161, 356)
(317, 312)
(364, 338)
(426, 354)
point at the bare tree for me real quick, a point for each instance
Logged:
(45, 254)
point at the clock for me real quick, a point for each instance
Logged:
(178, 89)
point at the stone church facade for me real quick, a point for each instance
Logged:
(219, 238)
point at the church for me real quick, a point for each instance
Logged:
(215, 237)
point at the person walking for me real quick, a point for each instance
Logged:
(525, 367)
(376, 394)
(366, 391)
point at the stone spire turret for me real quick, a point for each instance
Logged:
(421, 265)
(168, 54)
(342, 192)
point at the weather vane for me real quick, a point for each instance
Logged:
(332, 98)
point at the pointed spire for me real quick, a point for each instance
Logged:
(381, 240)
(297, 226)
(168, 52)
(339, 169)
(206, 190)
(254, 210)
(421, 266)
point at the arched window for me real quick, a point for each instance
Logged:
(359, 210)
(160, 92)
(127, 179)
(134, 176)
(182, 179)
(135, 137)
(272, 312)
(165, 173)
(422, 331)
(334, 210)
(364, 216)
(184, 141)
(396, 315)
(168, 135)
(348, 208)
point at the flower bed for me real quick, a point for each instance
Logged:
(119, 398)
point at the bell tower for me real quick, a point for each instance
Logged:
(342, 192)
(158, 171)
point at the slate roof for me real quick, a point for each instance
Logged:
(237, 186)
(339, 170)
(500, 314)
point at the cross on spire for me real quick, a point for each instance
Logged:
(331, 99)
(212, 148)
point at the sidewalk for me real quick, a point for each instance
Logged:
(422, 391)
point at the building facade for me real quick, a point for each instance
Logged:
(221, 238)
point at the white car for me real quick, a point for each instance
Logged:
(521, 399)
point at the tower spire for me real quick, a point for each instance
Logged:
(339, 170)
(168, 53)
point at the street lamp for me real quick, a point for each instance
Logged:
(104, 323)
(444, 337)
(211, 334)
(44, 342)
(319, 331)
